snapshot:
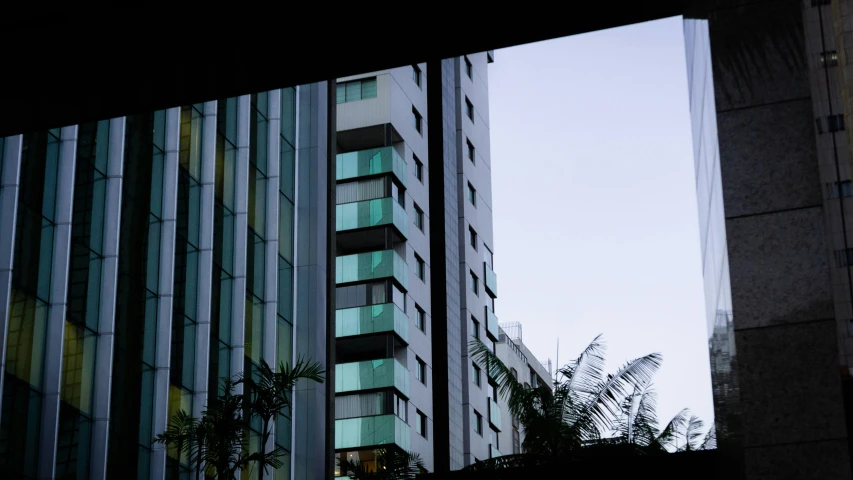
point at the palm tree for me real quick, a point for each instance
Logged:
(391, 464)
(682, 434)
(180, 433)
(225, 435)
(269, 395)
(637, 423)
(582, 405)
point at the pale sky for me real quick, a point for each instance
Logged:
(595, 216)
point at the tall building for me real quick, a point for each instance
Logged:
(142, 259)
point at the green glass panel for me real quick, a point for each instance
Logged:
(386, 317)
(353, 433)
(284, 343)
(78, 367)
(492, 323)
(285, 289)
(371, 213)
(353, 91)
(371, 266)
(368, 88)
(494, 414)
(285, 228)
(254, 327)
(341, 93)
(288, 115)
(370, 162)
(25, 338)
(491, 280)
(371, 374)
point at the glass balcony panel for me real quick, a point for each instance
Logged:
(385, 317)
(491, 280)
(372, 266)
(354, 433)
(494, 414)
(370, 162)
(371, 374)
(492, 324)
(371, 213)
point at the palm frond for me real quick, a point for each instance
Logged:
(693, 433)
(668, 437)
(710, 441)
(508, 386)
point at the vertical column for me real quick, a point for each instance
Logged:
(54, 337)
(10, 169)
(241, 218)
(205, 258)
(106, 319)
(163, 334)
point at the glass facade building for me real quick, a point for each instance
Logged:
(144, 258)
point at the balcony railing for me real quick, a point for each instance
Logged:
(385, 317)
(354, 433)
(494, 414)
(370, 162)
(491, 280)
(371, 213)
(494, 453)
(372, 266)
(492, 324)
(371, 374)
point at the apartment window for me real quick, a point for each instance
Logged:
(469, 109)
(417, 120)
(834, 123)
(839, 189)
(478, 423)
(470, 151)
(475, 328)
(474, 283)
(420, 373)
(488, 257)
(494, 439)
(477, 375)
(420, 267)
(469, 69)
(421, 424)
(493, 391)
(419, 169)
(420, 318)
(416, 75)
(361, 89)
(472, 237)
(829, 59)
(514, 373)
(419, 218)
(472, 194)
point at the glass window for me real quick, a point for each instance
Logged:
(472, 194)
(420, 267)
(419, 218)
(417, 120)
(356, 90)
(421, 424)
(416, 75)
(478, 423)
(472, 237)
(470, 150)
(474, 283)
(475, 328)
(420, 318)
(829, 59)
(368, 88)
(469, 109)
(469, 69)
(419, 169)
(420, 373)
(476, 375)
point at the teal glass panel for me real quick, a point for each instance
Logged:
(370, 162)
(368, 88)
(386, 317)
(491, 280)
(254, 327)
(371, 374)
(354, 433)
(371, 266)
(73, 445)
(285, 228)
(288, 116)
(45, 259)
(283, 342)
(50, 175)
(285, 289)
(494, 414)
(371, 213)
(189, 156)
(257, 200)
(492, 324)
(283, 431)
(353, 91)
(341, 93)
(152, 280)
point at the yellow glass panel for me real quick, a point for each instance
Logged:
(78, 363)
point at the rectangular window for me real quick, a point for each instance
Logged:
(494, 439)
(360, 89)
(478, 423)
(417, 121)
(416, 75)
(469, 109)
(420, 267)
(829, 59)
(475, 284)
(834, 123)
(420, 372)
(477, 375)
(472, 237)
(419, 218)
(469, 69)
(839, 189)
(470, 150)
(419, 169)
(420, 318)
(421, 426)
(475, 328)
(472, 194)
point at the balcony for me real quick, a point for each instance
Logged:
(371, 374)
(374, 161)
(354, 433)
(491, 280)
(494, 453)
(385, 317)
(494, 414)
(361, 267)
(492, 324)
(371, 213)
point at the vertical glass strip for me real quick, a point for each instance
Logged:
(10, 163)
(241, 236)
